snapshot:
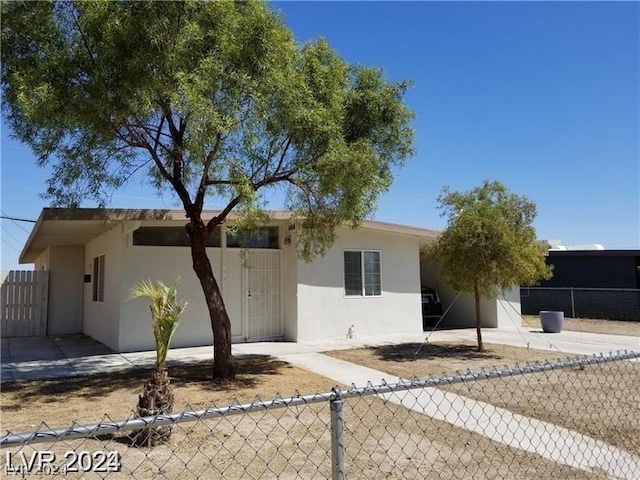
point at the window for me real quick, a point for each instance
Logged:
(266, 237)
(169, 237)
(98, 279)
(362, 273)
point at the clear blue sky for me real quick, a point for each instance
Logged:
(542, 96)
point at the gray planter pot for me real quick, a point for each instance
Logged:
(551, 321)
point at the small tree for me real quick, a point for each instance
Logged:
(489, 244)
(157, 397)
(208, 99)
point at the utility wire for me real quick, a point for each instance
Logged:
(15, 221)
(8, 234)
(6, 242)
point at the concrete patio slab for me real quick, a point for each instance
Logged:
(35, 370)
(6, 372)
(5, 355)
(24, 357)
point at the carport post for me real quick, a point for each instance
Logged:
(337, 438)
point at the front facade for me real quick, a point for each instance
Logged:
(368, 282)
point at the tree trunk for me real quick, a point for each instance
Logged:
(156, 399)
(478, 318)
(220, 323)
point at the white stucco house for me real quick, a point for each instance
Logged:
(370, 278)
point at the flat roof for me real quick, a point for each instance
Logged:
(594, 253)
(61, 226)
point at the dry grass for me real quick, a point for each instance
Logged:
(411, 360)
(384, 440)
(58, 402)
(602, 401)
(610, 327)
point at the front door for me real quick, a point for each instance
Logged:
(263, 294)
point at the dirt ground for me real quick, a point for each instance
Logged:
(58, 402)
(383, 440)
(602, 401)
(610, 327)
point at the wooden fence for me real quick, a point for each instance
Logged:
(23, 305)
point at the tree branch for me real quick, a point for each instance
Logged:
(202, 189)
(177, 184)
(220, 218)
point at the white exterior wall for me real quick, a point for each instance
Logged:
(290, 286)
(168, 263)
(64, 314)
(101, 319)
(509, 313)
(165, 264)
(42, 262)
(324, 312)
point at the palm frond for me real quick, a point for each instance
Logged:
(166, 310)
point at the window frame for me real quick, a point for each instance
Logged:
(98, 278)
(234, 241)
(214, 241)
(363, 284)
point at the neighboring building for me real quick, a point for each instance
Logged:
(370, 279)
(594, 269)
(594, 283)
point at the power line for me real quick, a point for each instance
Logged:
(16, 220)
(8, 234)
(6, 242)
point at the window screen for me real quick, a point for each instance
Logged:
(362, 273)
(352, 273)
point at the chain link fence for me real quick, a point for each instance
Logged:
(570, 419)
(597, 303)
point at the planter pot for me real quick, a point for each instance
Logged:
(551, 321)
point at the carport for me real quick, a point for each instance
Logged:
(503, 312)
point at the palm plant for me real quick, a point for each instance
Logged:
(157, 397)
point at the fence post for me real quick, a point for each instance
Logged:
(337, 435)
(573, 305)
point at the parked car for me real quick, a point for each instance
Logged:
(431, 307)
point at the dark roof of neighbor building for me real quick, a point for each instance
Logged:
(594, 253)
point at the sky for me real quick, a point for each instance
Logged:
(541, 96)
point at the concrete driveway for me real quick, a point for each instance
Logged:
(27, 358)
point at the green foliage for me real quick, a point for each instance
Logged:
(489, 241)
(207, 98)
(166, 309)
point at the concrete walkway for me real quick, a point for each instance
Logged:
(548, 440)
(30, 358)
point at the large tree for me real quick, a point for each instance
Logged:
(208, 99)
(489, 245)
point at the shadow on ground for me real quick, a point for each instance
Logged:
(410, 352)
(249, 369)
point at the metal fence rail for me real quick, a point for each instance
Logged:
(597, 303)
(569, 419)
